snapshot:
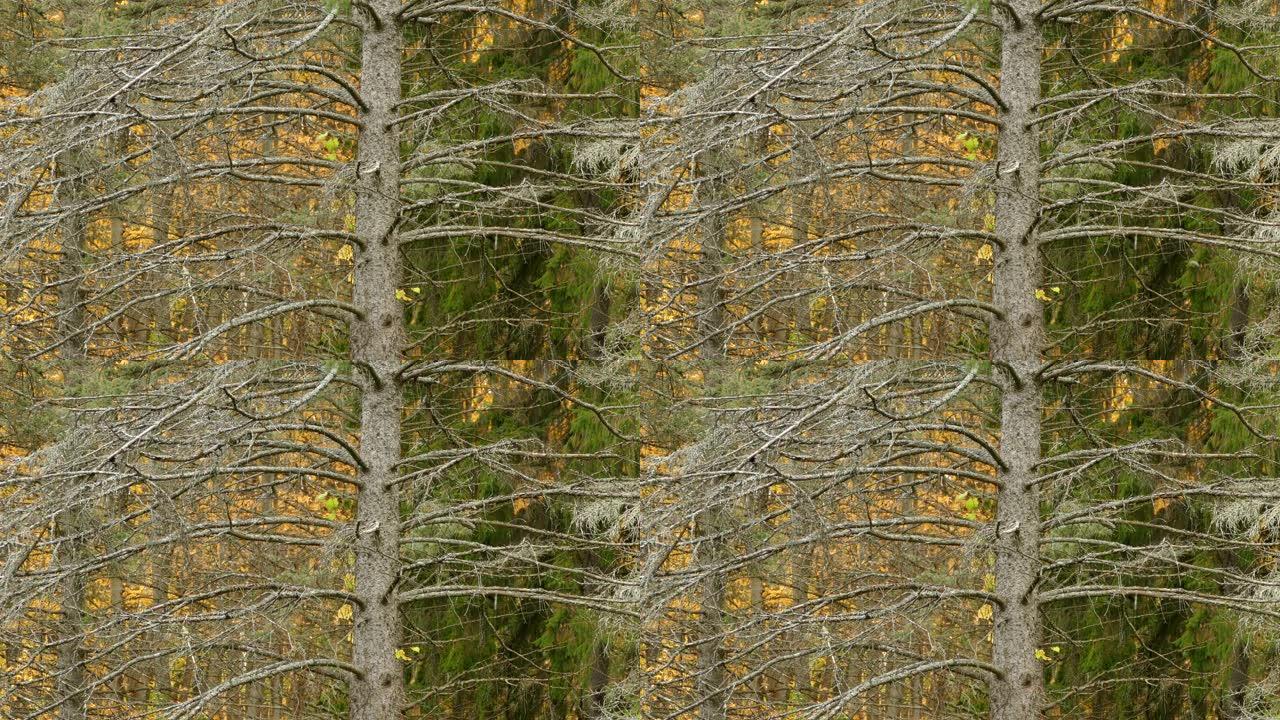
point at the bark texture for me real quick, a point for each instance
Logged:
(1017, 340)
(377, 342)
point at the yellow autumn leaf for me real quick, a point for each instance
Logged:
(345, 253)
(984, 254)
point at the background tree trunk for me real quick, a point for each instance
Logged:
(71, 527)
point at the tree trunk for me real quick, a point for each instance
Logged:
(72, 694)
(1017, 339)
(756, 506)
(801, 576)
(153, 314)
(597, 682)
(70, 525)
(1237, 682)
(377, 341)
(801, 307)
(119, 508)
(713, 697)
(161, 575)
(712, 693)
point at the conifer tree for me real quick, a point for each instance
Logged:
(929, 415)
(246, 361)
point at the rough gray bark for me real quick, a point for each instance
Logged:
(377, 342)
(1017, 340)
